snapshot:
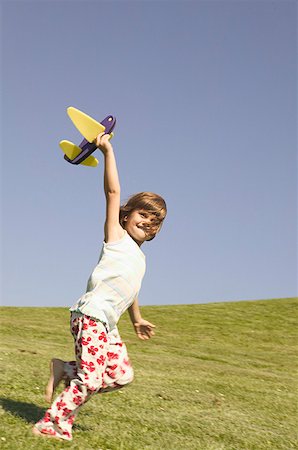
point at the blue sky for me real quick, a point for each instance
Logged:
(205, 98)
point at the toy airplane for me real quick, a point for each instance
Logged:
(89, 128)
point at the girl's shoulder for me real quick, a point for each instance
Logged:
(114, 234)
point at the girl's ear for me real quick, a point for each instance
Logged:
(125, 218)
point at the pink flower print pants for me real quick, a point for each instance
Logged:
(101, 365)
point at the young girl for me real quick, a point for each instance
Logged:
(102, 362)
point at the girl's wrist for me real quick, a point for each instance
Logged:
(107, 150)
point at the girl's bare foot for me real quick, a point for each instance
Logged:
(56, 375)
(36, 432)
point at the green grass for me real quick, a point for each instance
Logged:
(216, 376)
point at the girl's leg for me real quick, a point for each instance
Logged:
(118, 374)
(91, 343)
(119, 371)
(59, 370)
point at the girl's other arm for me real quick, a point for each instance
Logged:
(142, 327)
(113, 230)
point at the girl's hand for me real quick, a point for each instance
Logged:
(144, 330)
(102, 141)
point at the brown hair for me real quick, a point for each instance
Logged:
(147, 201)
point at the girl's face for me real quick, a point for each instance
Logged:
(140, 225)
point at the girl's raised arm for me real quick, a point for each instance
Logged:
(112, 229)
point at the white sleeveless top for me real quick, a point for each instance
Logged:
(115, 281)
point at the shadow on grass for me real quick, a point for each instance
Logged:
(27, 411)
(30, 412)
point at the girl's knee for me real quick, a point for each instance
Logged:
(90, 382)
(121, 378)
(127, 377)
(119, 383)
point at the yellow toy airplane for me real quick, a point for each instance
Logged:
(89, 128)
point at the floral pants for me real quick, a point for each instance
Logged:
(101, 365)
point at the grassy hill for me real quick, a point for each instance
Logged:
(216, 376)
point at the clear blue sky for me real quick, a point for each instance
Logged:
(205, 97)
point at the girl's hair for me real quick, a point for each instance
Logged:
(149, 202)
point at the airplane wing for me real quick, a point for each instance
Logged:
(72, 151)
(87, 126)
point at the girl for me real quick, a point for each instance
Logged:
(102, 362)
